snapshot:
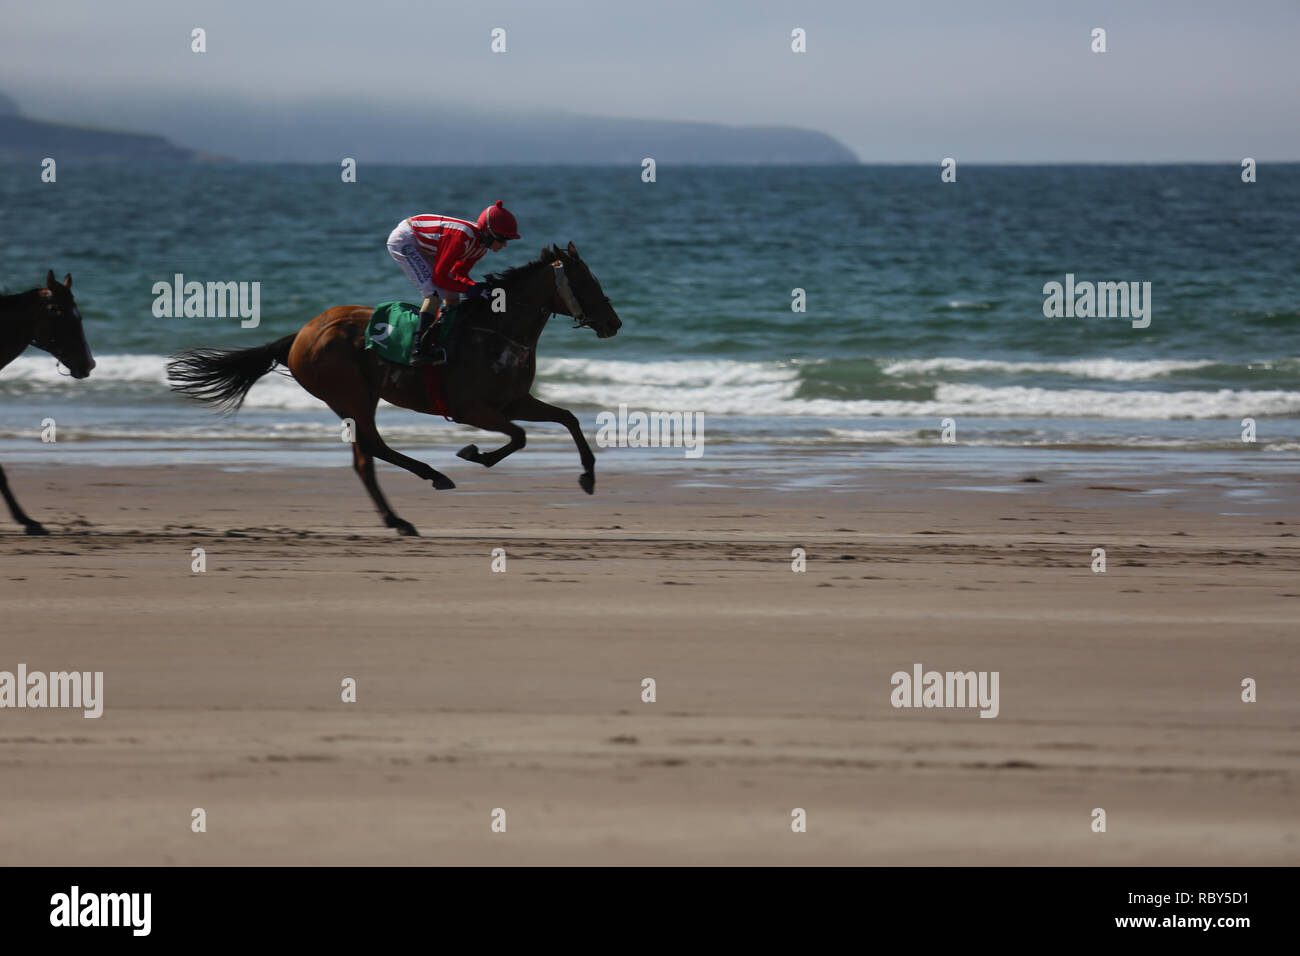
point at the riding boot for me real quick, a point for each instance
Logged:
(426, 350)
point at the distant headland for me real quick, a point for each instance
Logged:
(30, 140)
(318, 134)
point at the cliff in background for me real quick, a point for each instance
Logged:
(326, 134)
(30, 140)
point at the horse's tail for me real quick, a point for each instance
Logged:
(222, 377)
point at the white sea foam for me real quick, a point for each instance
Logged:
(779, 399)
(1115, 370)
(42, 369)
(757, 389)
(686, 373)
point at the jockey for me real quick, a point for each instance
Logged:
(436, 253)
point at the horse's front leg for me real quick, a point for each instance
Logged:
(489, 419)
(29, 525)
(535, 410)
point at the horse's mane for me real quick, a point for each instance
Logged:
(518, 272)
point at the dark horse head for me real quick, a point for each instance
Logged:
(58, 330)
(578, 293)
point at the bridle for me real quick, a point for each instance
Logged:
(58, 318)
(567, 297)
(570, 300)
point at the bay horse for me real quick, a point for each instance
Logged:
(46, 317)
(487, 384)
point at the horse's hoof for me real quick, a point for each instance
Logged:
(402, 527)
(35, 528)
(443, 483)
(469, 453)
(588, 482)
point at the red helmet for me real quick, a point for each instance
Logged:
(496, 220)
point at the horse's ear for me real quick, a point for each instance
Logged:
(547, 254)
(573, 251)
(49, 280)
(555, 251)
(67, 280)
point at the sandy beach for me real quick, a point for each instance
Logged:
(522, 690)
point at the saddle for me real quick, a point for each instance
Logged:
(392, 332)
(394, 327)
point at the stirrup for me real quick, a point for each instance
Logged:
(436, 356)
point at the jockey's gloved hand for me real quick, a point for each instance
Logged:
(481, 290)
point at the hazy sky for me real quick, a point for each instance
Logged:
(913, 80)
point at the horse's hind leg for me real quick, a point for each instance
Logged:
(489, 419)
(325, 360)
(30, 526)
(369, 446)
(364, 465)
(535, 410)
(372, 444)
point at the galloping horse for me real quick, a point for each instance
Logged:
(486, 386)
(47, 318)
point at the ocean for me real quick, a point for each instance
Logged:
(923, 301)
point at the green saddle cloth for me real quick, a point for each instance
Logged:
(393, 325)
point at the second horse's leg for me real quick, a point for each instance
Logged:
(30, 526)
(535, 410)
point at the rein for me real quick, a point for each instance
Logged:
(483, 328)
